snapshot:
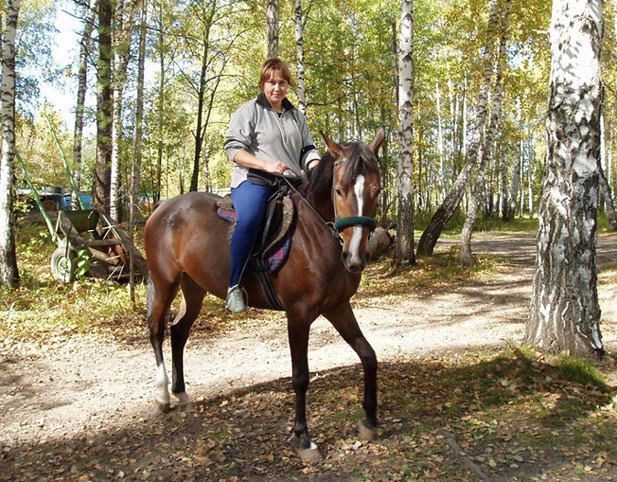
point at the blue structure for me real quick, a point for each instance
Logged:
(85, 197)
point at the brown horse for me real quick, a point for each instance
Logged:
(187, 248)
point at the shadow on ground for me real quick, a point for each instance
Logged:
(499, 416)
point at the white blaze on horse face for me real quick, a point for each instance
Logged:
(356, 238)
(162, 393)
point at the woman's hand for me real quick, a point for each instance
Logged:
(276, 167)
(248, 160)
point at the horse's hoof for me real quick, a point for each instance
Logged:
(163, 407)
(310, 455)
(185, 403)
(366, 432)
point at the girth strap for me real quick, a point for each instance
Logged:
(258, 262)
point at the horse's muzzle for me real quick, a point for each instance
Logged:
(355, 264)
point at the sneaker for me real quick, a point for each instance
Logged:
(235, 299)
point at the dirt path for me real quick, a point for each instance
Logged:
(87, 384)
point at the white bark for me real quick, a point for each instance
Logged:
(564, 312)
(137, 145)
(441, 175)
(272, 23)
(447, 208)
(122, 46)
(8, 260)
(404, 240)
(82, 83)
(300, 74)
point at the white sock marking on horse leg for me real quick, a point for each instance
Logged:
(183, 398)
(356, 239)
(162, 393)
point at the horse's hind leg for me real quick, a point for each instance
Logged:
(159, 301)
(192, 298)
(343, 319)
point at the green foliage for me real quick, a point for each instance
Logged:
(579, 370)
(43, 309)
(82, 262)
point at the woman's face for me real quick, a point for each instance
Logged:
(275, 89)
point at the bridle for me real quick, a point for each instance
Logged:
(339, 224)
(349, 221)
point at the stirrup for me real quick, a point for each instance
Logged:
(236, 302)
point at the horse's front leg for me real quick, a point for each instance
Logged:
(298, 332)
(343, 319)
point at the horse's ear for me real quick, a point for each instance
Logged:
(379, 137)
(333, 147)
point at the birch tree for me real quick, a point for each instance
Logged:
(404, 240)
(466, 255)
(8, 259)
(564, 313)
(82, 85)
(137, 144)
(272, 24)
(448, 207)
(122, 37)
(100, 189)
(300, 74)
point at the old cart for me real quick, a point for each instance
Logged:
(88, 243)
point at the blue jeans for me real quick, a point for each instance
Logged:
(250, 203)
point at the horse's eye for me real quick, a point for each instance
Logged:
(339, 191)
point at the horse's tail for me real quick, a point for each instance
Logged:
(150, 304)
(149, 300)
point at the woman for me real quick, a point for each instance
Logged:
(266, 136)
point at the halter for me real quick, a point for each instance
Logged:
(339, 224)
(349, 221)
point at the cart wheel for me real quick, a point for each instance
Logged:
(63, 265)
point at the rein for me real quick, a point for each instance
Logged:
(333, 231)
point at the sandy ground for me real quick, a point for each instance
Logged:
(87, 384)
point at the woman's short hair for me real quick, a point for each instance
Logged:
(272, 65)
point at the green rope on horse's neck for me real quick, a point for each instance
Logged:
(349, 221)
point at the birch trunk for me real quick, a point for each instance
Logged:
(104, 109)
(123, 37)
(8, 258)
(272, 23)
(82, 85)
(448, 207)
(300, 74)
(605, 188)
(199, 130)
(516, 170)
(404, 239)
(137, 145)
(440, 175)
(161, 104)
(564, 312)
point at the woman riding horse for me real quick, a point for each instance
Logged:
(187, 249)
(266, 136)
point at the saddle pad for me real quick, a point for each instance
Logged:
(276, 254)
(277, 231)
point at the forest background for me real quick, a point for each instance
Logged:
(213, 50)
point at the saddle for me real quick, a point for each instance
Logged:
(273, 241)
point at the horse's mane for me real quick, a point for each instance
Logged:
(320, 180)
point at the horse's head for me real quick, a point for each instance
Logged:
(355, 188)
